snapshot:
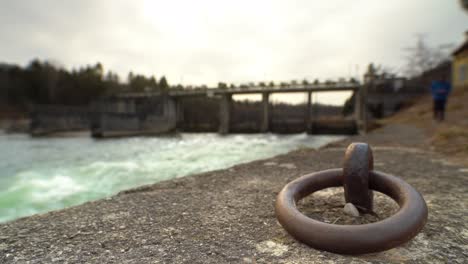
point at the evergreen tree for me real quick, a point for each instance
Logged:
(163, 84)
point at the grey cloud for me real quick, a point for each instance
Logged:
(225, 40)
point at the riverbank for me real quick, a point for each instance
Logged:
(228, 216)
(51, 173)
(449, 137)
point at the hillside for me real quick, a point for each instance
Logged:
(449, 137)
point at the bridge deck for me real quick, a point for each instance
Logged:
(251, 90)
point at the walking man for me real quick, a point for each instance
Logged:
(440, 90)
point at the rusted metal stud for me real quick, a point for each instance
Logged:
(358, 162)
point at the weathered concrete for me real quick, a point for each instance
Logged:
(308, 114)
(227, 216)
(265, 113)
(179, 113)
(296, 88)
(134, 117)
(20, 125)
(224, 113)
(225, 95)
(49, 119)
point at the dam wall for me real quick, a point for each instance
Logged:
(54, 119)
(133, 116)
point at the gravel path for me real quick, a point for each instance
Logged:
(227, 216)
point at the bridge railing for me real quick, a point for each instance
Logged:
(345, 86)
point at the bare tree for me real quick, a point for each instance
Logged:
(379, 72)
(384, 72)
(423, 57)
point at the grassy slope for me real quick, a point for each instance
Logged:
(449, 137)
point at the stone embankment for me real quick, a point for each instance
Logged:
(227, 216)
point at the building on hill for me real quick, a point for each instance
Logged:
(460, 65)
(385, 96)
(387, 93)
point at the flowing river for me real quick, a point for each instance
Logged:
(40, 175)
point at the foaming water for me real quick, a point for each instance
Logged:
(39, 175)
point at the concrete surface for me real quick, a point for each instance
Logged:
(227, 216)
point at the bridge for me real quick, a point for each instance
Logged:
(299, 88)
(226, 99)
(154, 113)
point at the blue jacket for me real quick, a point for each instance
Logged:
(440, 90)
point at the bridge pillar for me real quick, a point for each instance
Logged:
(265, 113)
(179, 113)
(365, 117)
(224, 113)
(308, 113)
(360, 108)
(357, 105)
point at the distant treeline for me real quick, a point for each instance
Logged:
(43, 82)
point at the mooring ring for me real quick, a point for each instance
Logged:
(357, 164)
(352, 239)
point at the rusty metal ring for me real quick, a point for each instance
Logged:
(352, 239)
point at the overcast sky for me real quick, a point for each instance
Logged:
(207, 41)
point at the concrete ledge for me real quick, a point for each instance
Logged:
(227, 216)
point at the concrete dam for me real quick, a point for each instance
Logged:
(132, 114)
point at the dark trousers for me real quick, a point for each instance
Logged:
(439, 109)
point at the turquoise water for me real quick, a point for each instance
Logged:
(39, 175)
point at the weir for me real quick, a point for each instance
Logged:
(138, 116)
(225, 113)
(47, 119)
(225, 109)
(265, 112)
(155, 113)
